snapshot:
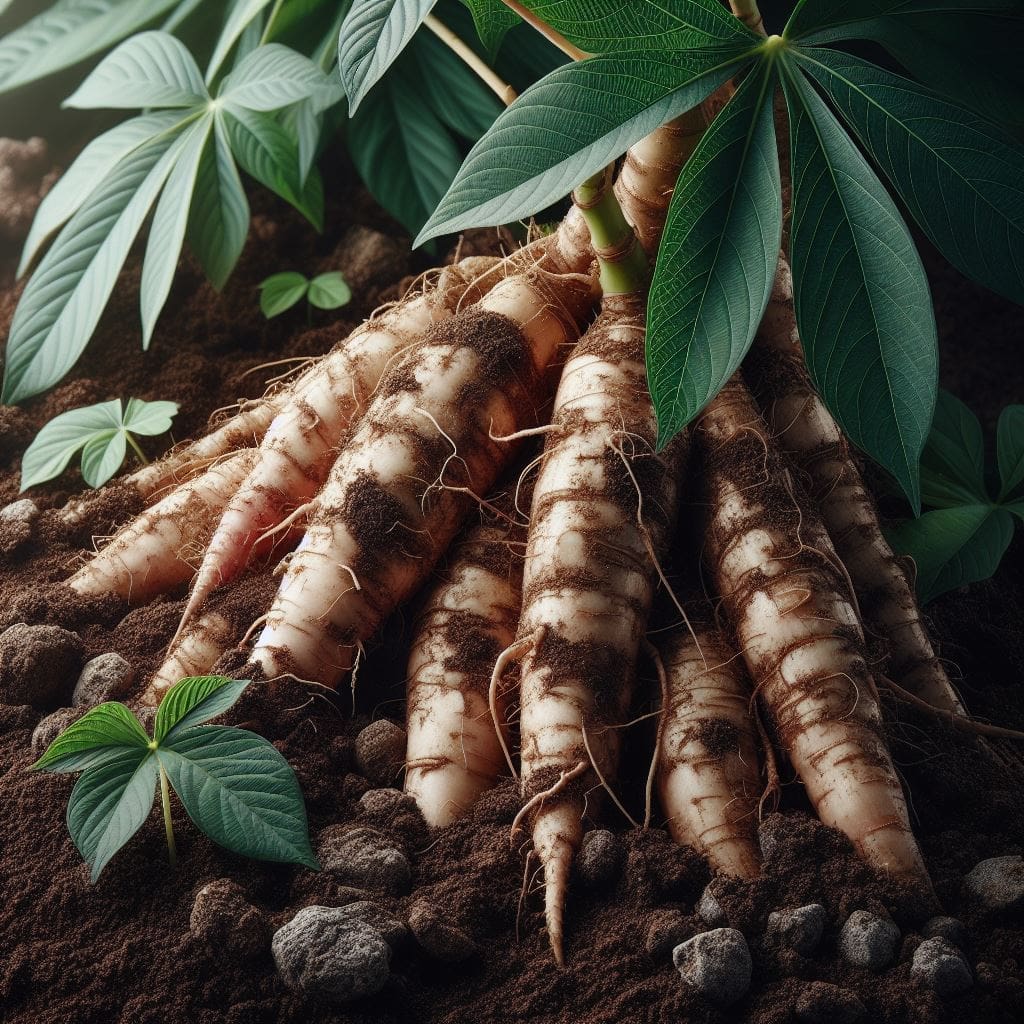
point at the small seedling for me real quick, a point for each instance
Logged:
(964, 536)
(282, 291)
(234, 785)
(103, 432)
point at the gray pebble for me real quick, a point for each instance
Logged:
(38, 665)
(329, 953)
(17, 520)
(799, 928)
(364, 857)
(443, 941)
(997, 884)
(716, 964)
(380, 751)
(391, 929)
(949, 928)
(769, 835)
(227, 923)
(868, 941)
(600, 858)
(941, 966)
(105, 677)
(710, 910)
(50, 727)
(381, 802)
(822, 1003)
(668, 928)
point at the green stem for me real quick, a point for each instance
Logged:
(165, 796)
(623, 263)
(135, 448)
(551, 34)
(275, 10)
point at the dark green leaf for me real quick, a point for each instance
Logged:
(862, 300)
(240, 791)
(110, 803)
(717, 259)
(492, 20)
(329, 291)
(570, 125)
(104, 732)
(372, 36)
(194, 700)
(1010, 451)
(281, 291)
(961, 179)
(953, 461)
(952, 547)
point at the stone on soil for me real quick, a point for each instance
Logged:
(868, 941)
(38, 665)
(364, 857)
(799, 928)
(949, 928)
(227, 922)
(380, 751)
(997, 884)
(105, 677)
(710, 910)
(941, 967)
(716, 964)
(50, 727)
(600, 858)
(16, 522)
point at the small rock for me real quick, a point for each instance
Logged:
(822, 1003)
(769, 835)
(997, 884)
(38, 665)
(16, 522)
(600, 859)
(105, 677)
(50, 727)
(668, 928)
(949, 928)
(800, 928)
(868, 941)
(397, 813)
(710, 910)
(941, 966)
(381, 802)
(391, 929)
(380, 751)
(329, 953)
(716, 964)
(364, 857)
(443, 941)
(227, 922)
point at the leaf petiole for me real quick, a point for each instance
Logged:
(165, 797)
(135, 448)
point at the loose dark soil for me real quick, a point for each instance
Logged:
(122, 950)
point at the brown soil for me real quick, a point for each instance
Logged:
(121, 950)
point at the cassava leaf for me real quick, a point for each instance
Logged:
(279, 292)
(571, 124)
(152, 69)
(102, 733)
(961, 179)
(68, 32)
(952, 547)
(194, 700)
(861, 296)
(717, 259)
(1010, 451)
(102, 456)
(148, 418)
(492, 20)
(953, 461)
(240, 16)
(240, 791)
(305, 126)
(273, 76)
(372, 36)
(329, 291)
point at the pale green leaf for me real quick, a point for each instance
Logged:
(104, 732)
(280, 292)
(1010, 451)
(148, 418)
(717, 259)
(194, 700)
(240, 791)
(241, 15)
(152, 69)
(102, 456)
(55, 444)
(329, 291)
(953, 461)
(305, 127)
(274, 76)
(862, 300)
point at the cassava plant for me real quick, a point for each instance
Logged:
(234, 785)
(725, 378)
(279, 292)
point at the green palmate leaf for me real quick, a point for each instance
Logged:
(194, 700)
(240, 791)
(717, 259)
(454, 92)
(953, 461)
(952, 547)
(242, 14)
(570, 125)
(329, 291)
(152, 69)
(402, 151)
(372, 36)
(1010, 451)
(88, 172)
(68, 32)
(280, 292)
(110, 803)
(167, 231)
(101, 734)
(219, 214)
(492, 20)
(274, 76)
(861, 296)
(62, 302)
(961, 179)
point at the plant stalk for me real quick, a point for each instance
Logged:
(552, 35)
(471, 59)
(135, 448)
(165, 797)
(747, 11)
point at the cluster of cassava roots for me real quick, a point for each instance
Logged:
(497, 423)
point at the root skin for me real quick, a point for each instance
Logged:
(193, 655)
